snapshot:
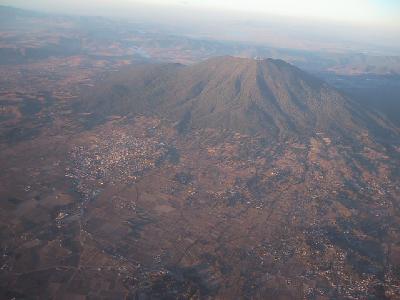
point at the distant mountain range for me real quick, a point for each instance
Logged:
(158, 45)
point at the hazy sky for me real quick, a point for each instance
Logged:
(369, 12)
(359, 11)
(366, 25)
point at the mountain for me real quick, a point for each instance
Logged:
(270, 183)
(269, 96)
(229, 179)
(8, 13)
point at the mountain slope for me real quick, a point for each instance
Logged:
(269, 96)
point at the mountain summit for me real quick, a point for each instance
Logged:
(267, 96)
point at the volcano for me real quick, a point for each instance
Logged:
(269, 97)
(229, 179)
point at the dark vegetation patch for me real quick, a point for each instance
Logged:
(91, 121)
(6, 293)
(354, 185)
(254, 185)
(364, 266)
(183, 177)
(315, 244)
(30, 107)
(196, 90)
(234, 198)
(367, 163)
(72, 244)
(28, 224)
(373, 227)
(136, 224)
(344, 199)
(183, 125)
(14, 200)
(351, 243)
(6, 117)
(19, 134)
(48, 234)
(120, 90)
(172, 155)
(199, 276)
(180, 283)
(238, 86)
